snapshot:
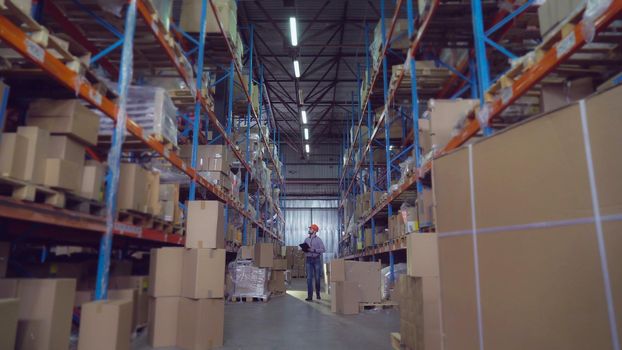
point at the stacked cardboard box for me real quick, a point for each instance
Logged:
(9, 314)
(212, 162)
(550, 13)
(226, 11)
(105, 324)
(396, 227)
(277, 276)
(45, 310)
(298, 268)
(187, 285)
(419, 293)
(540, 286)
(134, 288)
(353, 282)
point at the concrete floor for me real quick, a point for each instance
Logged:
(289, 322)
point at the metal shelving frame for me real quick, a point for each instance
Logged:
(15, 37)
(552, 55)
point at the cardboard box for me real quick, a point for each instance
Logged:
(165, 268)
(345, 297)
(557, 269)
(132, 193)
(45, 310)
(5, 253)
(93, 175)
(190, 20)
(367, 276)
(205, 224)
(279, 264)
(36, 151)
(9, 312)
(550, 13)
(65, 117)
(12, 161)
(422, 255)
(63, 147)
(169, 192)
(246, 252)
(425, 207)
(209, 157)
(163, 316)
(152, 205)
(420, 312)
(203, 274)
(130, 295)
(105, 325)
(140, 283)
(444, 115)
(263, 256)
(276, 284)
(201, 323)
(63, 174)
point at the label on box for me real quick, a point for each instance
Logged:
(35, 51)
(564, 46)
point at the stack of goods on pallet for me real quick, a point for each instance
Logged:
(139, 190)
(551, 13)
(50, 149)
(368, 238)
(169, 203)
(152, 109)
(399, 39)
(187, 285)
(551, 238)
(390, 278)
(353, 282)
(241, 102)
(418, 294)
(276, 285)
(227, 15)
(396, 227)
(250, 275)
(296, 262)
(212, 162)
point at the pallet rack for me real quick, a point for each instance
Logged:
(556, 48)
(29, 48)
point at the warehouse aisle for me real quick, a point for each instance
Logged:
(288, 322)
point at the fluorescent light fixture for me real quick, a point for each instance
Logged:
(304, 117)
(292, 31)
(306, 134)
(307, 148)
(296, 69)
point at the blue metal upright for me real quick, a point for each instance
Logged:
(4, 100)
(414, 94)
(114, 155)
(483, 70)
(248, 132)
(197, 105)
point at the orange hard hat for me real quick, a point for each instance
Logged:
(314, 227)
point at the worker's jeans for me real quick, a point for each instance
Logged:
(314, 271)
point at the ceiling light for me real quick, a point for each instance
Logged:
(307, 148)
(304, 117)
(306, 134)
(296, 69)
(292, 30)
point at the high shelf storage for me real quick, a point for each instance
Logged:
(176, 50)
(512, 81)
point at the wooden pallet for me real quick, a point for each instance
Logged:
(29, 192)
(135, 218)
(378, 306)
(162, 225)
(249, 299)
(84, 205)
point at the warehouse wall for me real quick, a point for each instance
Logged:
(300, 213)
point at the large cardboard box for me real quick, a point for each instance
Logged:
(36, 152)
(45, 310)
(422, 254)
(541, 286)
(264, 254)
(213, 158)
(132, 193)
(190, 20)
(165, 268)
(201, 324)
(60, 173)
(203, 273)
(420, 312)
(63, 147)
(130, 295)
(345, 297)
(163, 316)
(205, 224)
(13, 147)
(93, 175)
(367, 276)
(444, 115)
(552, 12)
(279, 264)
(5, 253)
(65, 117)
(105, 325)
(9, 311)
(152, 202)
(276, 284)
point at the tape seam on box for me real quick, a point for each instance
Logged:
(480, 328)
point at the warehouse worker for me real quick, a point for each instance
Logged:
(314, 261)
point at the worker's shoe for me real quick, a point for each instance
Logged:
(318, 297)
(309, 299)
